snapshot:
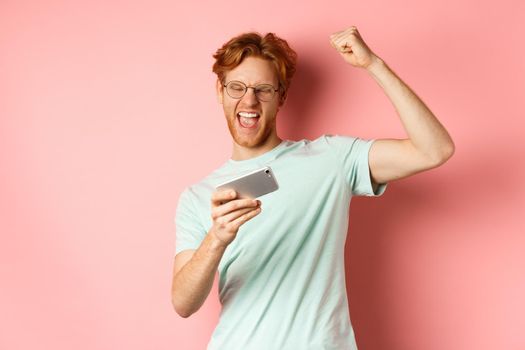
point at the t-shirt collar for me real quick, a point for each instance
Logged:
(262, 158)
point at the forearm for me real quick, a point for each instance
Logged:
(192, 284)
(424, 130)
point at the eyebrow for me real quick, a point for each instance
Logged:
(256, 84)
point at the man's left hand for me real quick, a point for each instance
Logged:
(352, 47)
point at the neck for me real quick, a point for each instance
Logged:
(243, 153)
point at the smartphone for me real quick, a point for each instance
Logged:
(252, 185)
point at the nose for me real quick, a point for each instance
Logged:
(249, 97)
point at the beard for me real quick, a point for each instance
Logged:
(251, 141)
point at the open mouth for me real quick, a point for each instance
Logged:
(248, 120)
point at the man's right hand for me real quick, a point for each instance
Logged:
(229, 213)
(194, 270)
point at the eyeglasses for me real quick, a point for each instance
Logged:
(237, 89)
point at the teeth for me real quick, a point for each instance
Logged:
(248, 115)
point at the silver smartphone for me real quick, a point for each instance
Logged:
(252, 185)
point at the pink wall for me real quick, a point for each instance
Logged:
(107, 111)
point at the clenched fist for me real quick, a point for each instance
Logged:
(352, 47)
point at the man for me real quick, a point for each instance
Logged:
(281, 258)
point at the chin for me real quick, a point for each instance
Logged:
(249, 142)
(255, 141)
(258, 140)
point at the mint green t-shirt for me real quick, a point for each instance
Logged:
(282, 280)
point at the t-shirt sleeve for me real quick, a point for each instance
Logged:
(352, 155)
(189, 231)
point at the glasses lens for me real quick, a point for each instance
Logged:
(235, 89)
(264, 92)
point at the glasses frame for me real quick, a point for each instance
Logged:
(246, 87)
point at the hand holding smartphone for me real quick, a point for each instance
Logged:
(252, 185)
(229, 212)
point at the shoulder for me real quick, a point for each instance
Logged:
(338, 139)
(342, 143)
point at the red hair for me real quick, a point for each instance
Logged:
(269, 47)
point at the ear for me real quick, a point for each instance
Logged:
(282, 98)
(218, 87)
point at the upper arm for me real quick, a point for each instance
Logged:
(391, 159)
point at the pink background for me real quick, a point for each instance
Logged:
(108, 111)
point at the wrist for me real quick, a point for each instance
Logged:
(375, 64)
(215, 243)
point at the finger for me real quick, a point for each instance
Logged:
(336, 46)
(243, 218)
(230, 217)
(333, 35)
(348, 41)
(340, 37)
(336, 37)
(333, 44)
(349, 37)
(218, 197)
(233, 205)
(346, 48)
(343, 34)
(343, 46)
